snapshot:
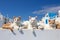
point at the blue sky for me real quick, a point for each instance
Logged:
(25, 8)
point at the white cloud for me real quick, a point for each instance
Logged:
(47, 9)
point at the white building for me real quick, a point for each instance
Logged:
(49, 16)
(1, 20)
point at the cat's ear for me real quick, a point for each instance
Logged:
(19, 17)
(14, 17)
(35, 16)
(29, 17)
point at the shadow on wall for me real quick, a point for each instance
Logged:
(21, 31)
(34, 33)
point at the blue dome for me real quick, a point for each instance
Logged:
(52, 15)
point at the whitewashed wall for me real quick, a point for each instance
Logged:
(29, 35)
